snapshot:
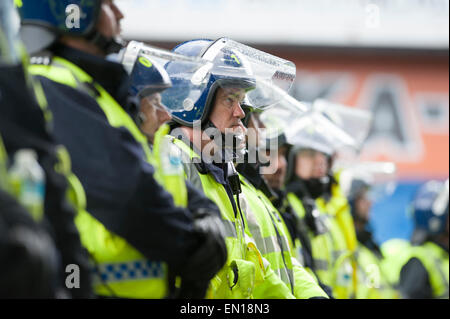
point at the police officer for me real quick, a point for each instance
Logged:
(426, 272)
(210, 133)
(372, 282)
(311, 190)
(130, 225)
(270, 230)
(148, 81)
(25, 130)
(275, 174)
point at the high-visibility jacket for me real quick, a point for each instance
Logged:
(372, 281)
(246, 274)
(395, 255)
(344, 274)
(321, 244)
(272, 239)
(168, 168)
(120, 270)
(436, 261)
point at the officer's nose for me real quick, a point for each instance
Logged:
(238, 111)
(163, 115)
(281, 163)
(117, 12)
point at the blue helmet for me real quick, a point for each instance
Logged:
(148, 77)
(430, 208)
(238, 75)
(44, 20)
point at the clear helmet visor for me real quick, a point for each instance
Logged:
(305, 128)
(181, 87)
(10, 52)
(355, 122)
(269, 78)
(380, 177)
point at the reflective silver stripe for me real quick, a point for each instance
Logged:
(271, 245)
(321, 264)
(230, 228)
(285, 276)
(286, 243)
(127, 271)
(255, 231)
(337, 254)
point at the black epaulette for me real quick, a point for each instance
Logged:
(41, 58)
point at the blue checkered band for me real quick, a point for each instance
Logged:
(126, 271)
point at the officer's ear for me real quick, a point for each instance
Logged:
(248, 110)
(133, 108)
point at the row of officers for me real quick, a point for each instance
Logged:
(128, 171)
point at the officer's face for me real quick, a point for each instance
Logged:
(304, 164)
(278, 164)
(155, 115)
(363, 206)
(320, 165)
(227, 112)
(109, 21)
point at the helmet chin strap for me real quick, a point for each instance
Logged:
(107, 45)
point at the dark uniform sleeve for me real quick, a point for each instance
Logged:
(414, 281)
(22, 125)
(121, 190)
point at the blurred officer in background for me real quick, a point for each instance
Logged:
(310, 228)
(211, 135)
(267, 225)
(426, 272)
(130, 225)
(372, 281)
(314, 194)
(297, 227)
(31, 171)
(355, 124)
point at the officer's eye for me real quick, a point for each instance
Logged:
(229, 101)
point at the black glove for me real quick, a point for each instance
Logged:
(208, 259)
(192, 290)
(30, 270)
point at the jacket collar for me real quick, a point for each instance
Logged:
(110, 75)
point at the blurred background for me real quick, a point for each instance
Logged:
(388, 56)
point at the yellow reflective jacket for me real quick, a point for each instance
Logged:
(372, 281)
(247, 274)
(273, 240)
(344, 274)
(436, 262)
(120, 270)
